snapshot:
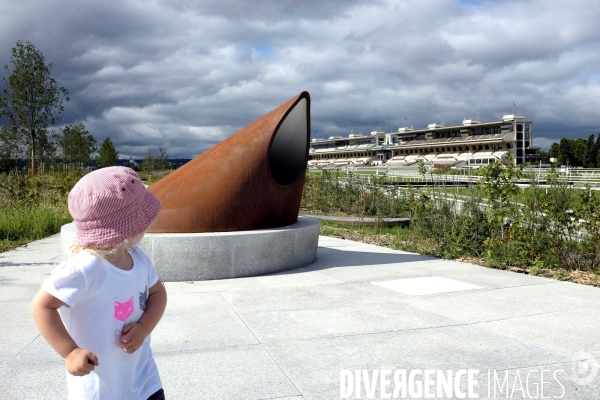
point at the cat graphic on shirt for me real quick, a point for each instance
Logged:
(124, 310)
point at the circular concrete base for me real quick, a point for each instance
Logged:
(221, 255)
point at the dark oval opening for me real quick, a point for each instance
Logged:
(288, 150)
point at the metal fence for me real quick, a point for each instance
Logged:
(574, 176)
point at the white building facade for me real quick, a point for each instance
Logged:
(473, 143)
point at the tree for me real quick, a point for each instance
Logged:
(107, 155)
(564, 152)
(46, 147)
(162, 160)
(149, 163)
(77, 144)
(544, 157)
(31, 100)
(578, 151)
(554, 150)
(590, 156)
(596, 152)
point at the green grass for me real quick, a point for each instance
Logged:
(23, 224)
(32, 208)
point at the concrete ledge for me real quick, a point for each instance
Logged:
(221, 255)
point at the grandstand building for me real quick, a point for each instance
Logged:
(474, 143)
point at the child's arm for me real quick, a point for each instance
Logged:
(44, 308)
(135, 334)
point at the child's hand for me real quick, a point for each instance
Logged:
(81, 362)
(133, 337)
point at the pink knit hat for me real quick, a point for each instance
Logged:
(110, 205)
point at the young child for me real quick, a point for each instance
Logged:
(98, 308)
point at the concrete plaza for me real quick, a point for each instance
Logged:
(358, 307)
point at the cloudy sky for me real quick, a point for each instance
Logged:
(186, 74)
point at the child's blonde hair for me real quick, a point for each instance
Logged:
(108, 253)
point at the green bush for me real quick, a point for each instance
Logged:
(551, 227)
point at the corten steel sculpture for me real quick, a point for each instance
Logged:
(251, 180)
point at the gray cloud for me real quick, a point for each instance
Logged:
(186, 74)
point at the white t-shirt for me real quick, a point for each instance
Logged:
(102, 299)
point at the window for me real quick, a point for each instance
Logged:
(493, 146)
(508, 146)
(487, 147)
(499, 146)
(459, 148)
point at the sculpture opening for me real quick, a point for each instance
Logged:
(288, 150)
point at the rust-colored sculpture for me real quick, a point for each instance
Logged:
(251, 180)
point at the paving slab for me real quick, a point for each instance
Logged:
(289, 335)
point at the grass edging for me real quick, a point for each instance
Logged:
(387, 237)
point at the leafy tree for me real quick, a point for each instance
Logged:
(590, 157)
(46, 147)
(149, 163)
(565, 154)
(77, 144)
(554, 150)
(162, 161)
(544, 157)
(32, 100)
(578, 152)
(596, 151)
(107, 155)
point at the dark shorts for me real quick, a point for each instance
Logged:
(160, 395)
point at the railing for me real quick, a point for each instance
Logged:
(576, 177)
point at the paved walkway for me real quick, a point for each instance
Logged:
(288, 336)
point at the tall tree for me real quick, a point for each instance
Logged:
(77, 144)
(107, 155)
(32, 100)
(149, 163)
(565, 152)
(554, 150)
(590, 156)
(596, 152)
(162, 161)
(578, 151)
